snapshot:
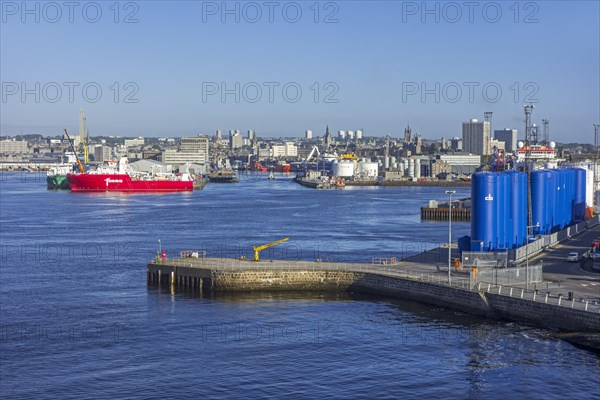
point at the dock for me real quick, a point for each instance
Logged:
(463, 293)
(461, 211)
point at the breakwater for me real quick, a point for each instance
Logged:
(227, 275)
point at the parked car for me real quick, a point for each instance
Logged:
(596, 242)
(595, 255)
(573, 257)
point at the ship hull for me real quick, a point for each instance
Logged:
(57, 182)
(124, 183)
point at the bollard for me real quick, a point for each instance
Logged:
(560, 299)
(510, 293)
(522, 291)
(546, 300)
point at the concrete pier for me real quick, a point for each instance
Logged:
(230, 275)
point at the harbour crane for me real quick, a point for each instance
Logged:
(312, 152)
(79, 164)
(258, 249)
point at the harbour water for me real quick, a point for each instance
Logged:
(78, 321)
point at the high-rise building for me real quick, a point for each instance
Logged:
(251, 135)
(195, 144)
(359, 134)
(102, 153)
(218, 135)
(192, 150)
(342, 134)
(309, 135)
(235, 139)
(476, 137)
(456, 144)
(509, 137)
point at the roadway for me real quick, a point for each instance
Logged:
(562, 276)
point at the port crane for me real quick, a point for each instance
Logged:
(258, 249)
(79, 164)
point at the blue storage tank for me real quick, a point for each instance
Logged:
(558, 200)
(539, 199)
(483, 211)
(501, 210)
(517, 208)
(523, 211)
(564, 199)
(580, 194)
(511, 192)
(464, 244)
(571, 182)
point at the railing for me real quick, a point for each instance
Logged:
(546, 297)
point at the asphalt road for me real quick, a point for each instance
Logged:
(562, 276)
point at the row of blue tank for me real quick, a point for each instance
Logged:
(498, 210)
(499, 205)
(557, 198)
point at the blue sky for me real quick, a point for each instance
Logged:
(371, 58)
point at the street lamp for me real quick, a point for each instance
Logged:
(450, 193)
(527, 254)
(159, 247)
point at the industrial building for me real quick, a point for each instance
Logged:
(461, 163)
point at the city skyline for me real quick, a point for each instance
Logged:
(377, 67)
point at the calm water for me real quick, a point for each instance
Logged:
(77, 320)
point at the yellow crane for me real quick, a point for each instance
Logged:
(257, 249)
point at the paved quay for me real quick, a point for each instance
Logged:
(397, 280)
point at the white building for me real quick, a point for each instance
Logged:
(192, 150)
(288, 149)
(14, 146)
(134, 142)
(309, 135)
(235, 140)
(476, 137)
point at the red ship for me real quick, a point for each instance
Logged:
(124, 183)
(122, 180)
(283, 168)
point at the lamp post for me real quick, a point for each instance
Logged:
(527, 254)
(159, 247)
(450, 193)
